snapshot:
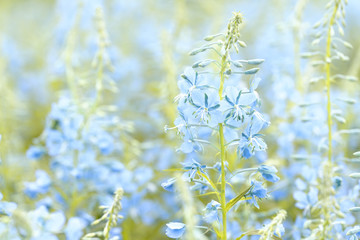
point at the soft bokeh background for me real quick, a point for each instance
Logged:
(150, 42)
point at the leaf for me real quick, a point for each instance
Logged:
(209, 181)
(174, 170)
(236, 199)
(207, 194)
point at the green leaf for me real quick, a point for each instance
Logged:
(236, 199)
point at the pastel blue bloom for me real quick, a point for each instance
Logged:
(192, 168)
(269, 173)
(212, 211)
(254, 84)
(202, 188)
(251, 140)
(237, 103)
(35, 152)
(300, 184)
(45, 236)
(45, 223)
(207, 104)
(175, 229)
(217, 166)
(191, 80)
(40, 186)
(185, 119)
(257, 190)
(189, 146)
(54, 142)
(169, 185)
(305, 200)
(74, 228)
(6, 208)
(105, 142)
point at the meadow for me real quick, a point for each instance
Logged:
(179, 119)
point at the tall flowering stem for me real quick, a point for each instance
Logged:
(231, 38)
(232, 115)
(328, 209)
(328, 74)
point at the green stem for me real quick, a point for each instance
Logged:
(223, 181)
(222, 154)
(328, 166)
(328, 75)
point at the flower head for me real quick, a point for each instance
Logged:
(258, 191)
(268, 173)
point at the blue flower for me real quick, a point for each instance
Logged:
(105, 143)
(192, 168)
(35, 152)
(169, 185)
(237, 103)
(189, 146)
(207, 104)
(40, 186)
(211, 211)
(268, 173)
(257, 190)
(202, 188)
(45, 223)
(251, 140)
(191, 80)
(305, 200)
(217, 166)
(175, 229)
(185, 119)
(74, 228)
(6, 208)
(54, 142)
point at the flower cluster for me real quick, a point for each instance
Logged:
(217, 103)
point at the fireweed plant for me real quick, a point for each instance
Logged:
(80, 140)
(217, 110)
(322, 193)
